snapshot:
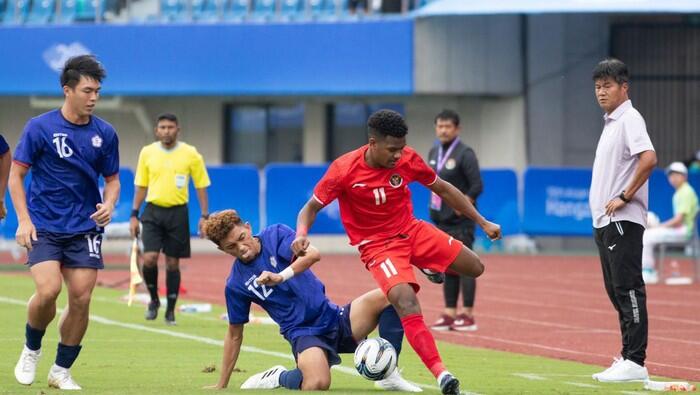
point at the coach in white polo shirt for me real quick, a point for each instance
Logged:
(619, 197)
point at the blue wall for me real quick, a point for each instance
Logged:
(356, 58)
(554, 200)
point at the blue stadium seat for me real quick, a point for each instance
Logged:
(205, 10)
(3, 7)
(86, 10)
(41, 11)
(328, 8)
(236, 10)
(16, 11)
(68, 11)
(173, 10)
(292, 9)
(263, 9)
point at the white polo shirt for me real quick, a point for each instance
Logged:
(624, 137)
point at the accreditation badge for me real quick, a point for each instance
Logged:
(435, 201)
(180, 181)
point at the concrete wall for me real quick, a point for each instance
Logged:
(201, 122)
(487, 122)
(468, 55)
(564, 120)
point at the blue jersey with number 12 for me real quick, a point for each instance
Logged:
(66, 161)
(299, 306)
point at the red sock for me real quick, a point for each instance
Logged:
(422, 342)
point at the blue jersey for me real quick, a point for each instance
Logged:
(299, 306)
(66, 161)
(3, 146)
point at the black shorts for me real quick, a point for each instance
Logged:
(463, 232)
(338, 341)
(73, 250)
(166, 229)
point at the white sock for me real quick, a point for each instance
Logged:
(441, 375)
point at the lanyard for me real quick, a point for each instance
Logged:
(441, 160)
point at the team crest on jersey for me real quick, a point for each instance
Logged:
(273, 261)
(96, 141)
(451, 163)
(396, 180)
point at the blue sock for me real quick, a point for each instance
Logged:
(33, 337)
(291, 379)
(66, 355)
(390, 328)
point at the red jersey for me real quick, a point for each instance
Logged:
(375, 203)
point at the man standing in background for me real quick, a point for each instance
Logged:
(457, 164)
(164, 170)
(619, 199)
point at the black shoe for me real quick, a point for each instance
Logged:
(152, 311)
(434, 277)
(449, 385)
(170, 317)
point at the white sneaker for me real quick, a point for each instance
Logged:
(266, 380)
(624, 371)
(397, 383)
(60, 378)
(25, 370)
(606, 371)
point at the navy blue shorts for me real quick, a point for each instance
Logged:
(338, 341)
(73, 250)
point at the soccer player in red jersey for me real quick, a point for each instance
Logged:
(371, 185)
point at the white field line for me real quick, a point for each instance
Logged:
(200, 339)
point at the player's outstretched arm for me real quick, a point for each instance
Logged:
(460, 203)
(25, 228)
(305, 220)
(232, 347)
(299, 265)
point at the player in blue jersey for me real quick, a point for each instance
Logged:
(62, 214)
(266, 273)
(5, 162)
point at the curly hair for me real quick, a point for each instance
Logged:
(219, 225)
(387, 123)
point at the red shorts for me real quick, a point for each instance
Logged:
(421, 244)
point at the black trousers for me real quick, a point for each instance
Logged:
(620, 249)
(465, 234)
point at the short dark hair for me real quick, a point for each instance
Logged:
(387, 123)
(613, 68)
(167, 117)
(83, 65)
(448, 115)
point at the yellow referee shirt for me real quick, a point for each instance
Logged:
(166, 173)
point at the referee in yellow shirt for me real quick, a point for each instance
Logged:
(162, 178)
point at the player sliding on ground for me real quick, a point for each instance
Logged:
(371, 185)
(266, 273)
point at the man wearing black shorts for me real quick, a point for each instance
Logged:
(162, 178)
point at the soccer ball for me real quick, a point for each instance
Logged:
(375, 359)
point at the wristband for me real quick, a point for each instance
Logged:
(135, 213)
(287, 273)
(623, 198)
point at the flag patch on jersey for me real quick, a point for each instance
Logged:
(396, 180)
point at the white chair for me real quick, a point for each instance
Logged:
(693, 244)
